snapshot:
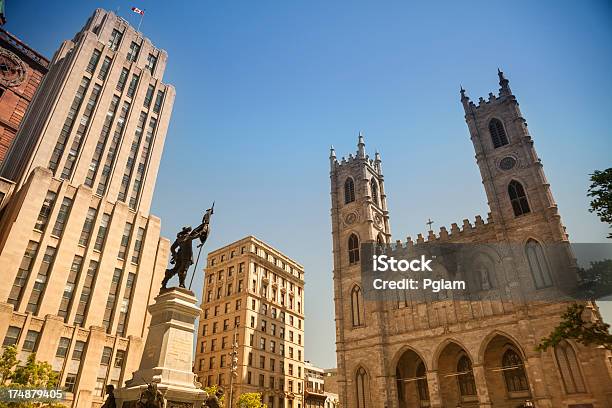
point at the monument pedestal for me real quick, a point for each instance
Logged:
(167, 358)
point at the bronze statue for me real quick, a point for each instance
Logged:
(182, 251)
(150, 398)
(110, 400)
(215, 400)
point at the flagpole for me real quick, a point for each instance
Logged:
(141, 17)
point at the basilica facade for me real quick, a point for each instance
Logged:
(446, 352)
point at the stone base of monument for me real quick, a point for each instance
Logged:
(167, 358)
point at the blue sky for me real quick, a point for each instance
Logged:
(263, 89)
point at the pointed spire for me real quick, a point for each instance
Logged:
(503, 83)
(378, 162)
(332, 157)
(465, 100)
(361, 146)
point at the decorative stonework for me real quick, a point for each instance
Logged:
(12, 69)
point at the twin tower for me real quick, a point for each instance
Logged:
(444, 352)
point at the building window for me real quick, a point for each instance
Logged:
(158, 101)
(111, 301)
(99, 388)
(349, 191)
(73, 276)
(79, 318)
(132, 87)
(79, 347)
(134, 51)
(518, 198)
(70, 382)
(353, 249)
(104, 68)
(93, 61)
(83, 125)
(62, 215)
(125, 303)
(115, 39)
(537, 264)
(142, 165)
(88, 226)
(102, 230)
(60, 145)
(362, 388)
(112, 150)
(129, 166)
(422, 388)
(569, 368)
(62, 348)
(12, 336)
(95, 160)
(107, 354)
(122, 79)
(151, 62)
(45, 211)
(22, 274)
(357, 306)
(138, 245)
(119, 358)
(149, 96)
(125, 240)
(41, 280)
(465, 376)
(498, 134)
(374, 191)
(514, 372)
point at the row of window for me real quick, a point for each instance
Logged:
(262, 254)
(349, 191)
(132, 55)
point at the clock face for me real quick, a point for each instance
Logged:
(507, 163)
(12, 69)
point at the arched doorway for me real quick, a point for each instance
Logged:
(457, 385)
(505, 373)
(411, 375)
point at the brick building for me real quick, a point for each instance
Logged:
(21, 71)
(441, 352)
(254, 294)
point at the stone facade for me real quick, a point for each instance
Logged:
(254, 294)
(450, 353)
(24, 70)
(81, 256)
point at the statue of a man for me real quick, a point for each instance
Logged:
(182, 252)
(110, 400)
(151, 397)
(215, 400)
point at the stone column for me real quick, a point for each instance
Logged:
(541, 396)
(433, 383)
(481, 386)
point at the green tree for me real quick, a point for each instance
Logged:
(251, 400)
(34, 374)
(212, 390)
(574, 326)
(596, 280)
(601, 193)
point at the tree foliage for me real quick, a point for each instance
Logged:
(251, 400)
(596, 281)
(212, 390)
(574, 326)
(34, 374)
(600, 191)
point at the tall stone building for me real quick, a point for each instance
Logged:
(81, 256)
(21, 71)
(255, 295)
(440, 352)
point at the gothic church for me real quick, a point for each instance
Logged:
(460, 353)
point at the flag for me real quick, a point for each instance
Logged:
(137, 10)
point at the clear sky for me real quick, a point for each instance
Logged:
(264, 87)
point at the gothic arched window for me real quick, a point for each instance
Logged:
(349, 191)
(362, 388)
(568, 365)
(514, 372)
(537, 264)
(498, 134)
(374, 190)
(465, 376)
(353, 249)
(518, 198)
(357, 306)
(422, 382)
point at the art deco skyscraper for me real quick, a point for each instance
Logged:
(80, 255)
